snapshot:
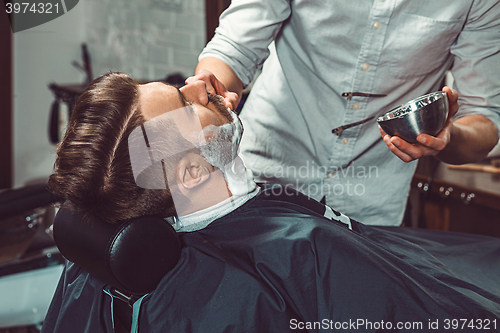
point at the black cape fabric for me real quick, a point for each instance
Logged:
(274, 266)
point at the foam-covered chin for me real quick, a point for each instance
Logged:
(221, 151)
(222, 145)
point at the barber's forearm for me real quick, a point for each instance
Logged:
(471, 139)
(223, 72)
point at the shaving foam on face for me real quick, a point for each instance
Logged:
(221, 150)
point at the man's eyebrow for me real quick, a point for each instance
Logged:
(181, 96)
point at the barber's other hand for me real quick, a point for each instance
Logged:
(215, 87)
(427, 145)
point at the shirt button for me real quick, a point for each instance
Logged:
(345, 141)
(376, 25)
(355, 106)
(365, 67)
(331, 174)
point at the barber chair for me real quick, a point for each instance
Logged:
(131, 257)
(30, 264)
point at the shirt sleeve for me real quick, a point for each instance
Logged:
(245, 31)
(476, 68)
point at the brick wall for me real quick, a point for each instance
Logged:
(147, 39)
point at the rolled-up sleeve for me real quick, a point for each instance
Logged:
(245, 31)
(476, 67)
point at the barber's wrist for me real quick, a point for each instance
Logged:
(450, 151)
(471, 139)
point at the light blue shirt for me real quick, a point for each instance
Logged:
(401, 48)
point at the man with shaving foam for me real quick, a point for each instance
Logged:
(251, 259)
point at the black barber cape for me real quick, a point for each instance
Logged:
(274, 266)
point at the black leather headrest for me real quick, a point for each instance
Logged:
(133, 256)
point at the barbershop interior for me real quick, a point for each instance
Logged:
(434, 267)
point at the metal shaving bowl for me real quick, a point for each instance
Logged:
(422, 115)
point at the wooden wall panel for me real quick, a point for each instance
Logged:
(213, 9)
(6, 101)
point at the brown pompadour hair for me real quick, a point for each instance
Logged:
(92, 169)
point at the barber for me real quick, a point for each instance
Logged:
(337, 63)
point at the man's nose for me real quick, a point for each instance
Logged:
(195, 92)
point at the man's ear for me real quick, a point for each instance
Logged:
(193, 170)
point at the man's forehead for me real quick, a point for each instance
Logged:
(156, 98)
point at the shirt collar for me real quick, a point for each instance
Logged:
(202, 218)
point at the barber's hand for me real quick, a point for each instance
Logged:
(215, 87)
(427, 145)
